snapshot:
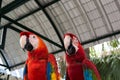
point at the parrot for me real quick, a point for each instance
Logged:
(40, 64)
(78, 66)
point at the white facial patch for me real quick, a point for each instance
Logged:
(22, 41)
(75, 43)
(67, 41)
(34, 41)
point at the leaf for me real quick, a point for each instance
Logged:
(108, 67)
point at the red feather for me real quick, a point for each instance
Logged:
(25, 33)
(75, 63)
(37, 60)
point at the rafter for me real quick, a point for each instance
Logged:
(4, 32)
(30, 13)
(101, 37)
(0, 7)
(11, 6)
(21, 63)
(51, 21)
(2, 54)
(26, 28)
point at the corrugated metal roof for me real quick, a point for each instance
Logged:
(87, 19)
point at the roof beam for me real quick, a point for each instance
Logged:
(21, 63)
(2, 54)
(51, 21)
(31, 12)
(22, 17)
(50, 3)
(17, 64)
(83, 43)
(3, 65)
(14, 28)
(0, 47)
(11, 6)
(26, 28)
(0, 23)
(101, 37)
(17, 30)
(24, 61)
(0, 8)
(36, 10)
(57, 51)
(8, 76)
(4, 32)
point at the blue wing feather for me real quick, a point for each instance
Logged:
(25, 73)
(48, 71)
(89, 74)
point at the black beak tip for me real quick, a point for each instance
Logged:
(23, 49)
(71, 50)
(28, 47)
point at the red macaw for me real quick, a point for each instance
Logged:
(40, 65)
(79, 67)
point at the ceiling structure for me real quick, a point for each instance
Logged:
(92, 21)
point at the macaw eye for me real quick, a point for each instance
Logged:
(33, 36)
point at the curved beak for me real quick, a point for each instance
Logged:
(28, 46)
(71, 49)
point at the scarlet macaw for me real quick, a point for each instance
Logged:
(79, 67)
(40, 65)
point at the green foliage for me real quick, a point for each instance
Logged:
(114, 43)
(62, 66)
(109, 67)
(92, 52)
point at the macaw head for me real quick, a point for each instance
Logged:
(73, 47)
(32, 43)
(71, 43)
